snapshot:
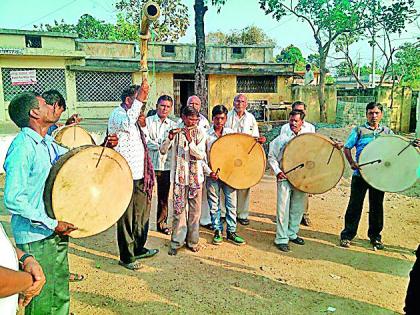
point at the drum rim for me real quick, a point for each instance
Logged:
(63, 128)
(49, 183)
(364, 175)
(258, 145)
(327, 139)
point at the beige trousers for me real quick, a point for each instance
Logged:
(186, 225)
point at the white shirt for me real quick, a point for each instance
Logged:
(309, 78)
(158, 132)
(8, 259)
(275, 153)
(306, 127)
(246, 124)
(124, 124)
(196, 148)
(211, 138)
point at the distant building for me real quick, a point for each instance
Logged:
(92, 73)
(349, 82)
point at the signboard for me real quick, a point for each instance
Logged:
(11, 51)
(23, 77)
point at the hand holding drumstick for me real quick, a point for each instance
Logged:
(64, 228)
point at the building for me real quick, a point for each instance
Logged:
(92, 73)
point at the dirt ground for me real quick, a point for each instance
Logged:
(317, 278)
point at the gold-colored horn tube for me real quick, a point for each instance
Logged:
(151, 12)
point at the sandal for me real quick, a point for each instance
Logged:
(172, 252)
(75, 277)
(135, 265)
(345, 243)
(194, 249)
(165, 231)
(148, 253)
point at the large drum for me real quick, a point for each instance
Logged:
(390, 163)
(238, 159)
(72, 137)
(312, 163)
(89, 186)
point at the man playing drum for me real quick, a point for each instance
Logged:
(158, 127)
(54, 98)
(27, 165)
(215, 185)
(359, 137)
(242, 121)
(290, 201)
(129, 123)
(299, 105)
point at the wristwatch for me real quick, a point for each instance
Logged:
(23, 258)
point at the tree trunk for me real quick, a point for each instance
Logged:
(321, 86)
(200, 87)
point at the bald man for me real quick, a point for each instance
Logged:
(242, 121)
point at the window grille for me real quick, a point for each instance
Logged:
(95, 86)
(33, 41)
(256, 84)
(168, 50)
(46, 79)
(237, 50)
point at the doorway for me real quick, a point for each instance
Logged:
(183, 89)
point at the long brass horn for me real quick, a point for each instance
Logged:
(151, 12)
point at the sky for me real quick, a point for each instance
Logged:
(236, 14)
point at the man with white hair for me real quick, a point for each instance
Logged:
(242, 121)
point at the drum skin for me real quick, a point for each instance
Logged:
(395, 172)
(323, 165)
(92, 198)
(72, 137)
(240, 159)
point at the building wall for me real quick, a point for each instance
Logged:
(111, 49)
(222, 90)
(12, 41)
(214, 53)
(32, 62)
(160, 83)
(309, 95)
(58, 43)
(401, 106)
(352, 103)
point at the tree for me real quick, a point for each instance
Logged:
(175, 17)
(87, 27)
(313, 59)
(216, 37)
(171, 27)
(407, 64)
(388, 20)
(292, 54)
(327, 20)
(200, 87)
(250, 35)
